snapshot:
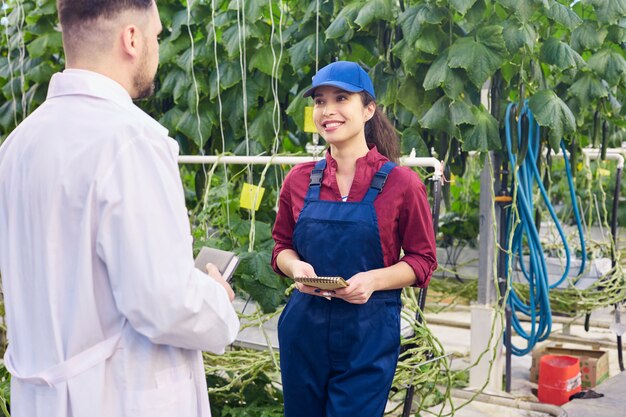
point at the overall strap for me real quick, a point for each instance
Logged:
(378, 182)
(316, 181)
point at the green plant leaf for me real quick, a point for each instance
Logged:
(523, 9)
(563, 14)
(408, 55)
(587, 88)
(175, 83)
(516, 36)
(440, 75)
(42, 72)
(437, 72)
(409, 94)
(229, 75)
(185, 60)
(303, 52)
(609, 64)
(263, 59)
(484, 134)
(188, 125)
(344, 21)
(609, 11)
(480, 57)
(462, 113)
(552, 112)
(588, 36)
(256, 277)
(262, 127)
(438, 117)
(411, 139)
(230, 39)
(7, 112)
(474, 18)
(414, 17)
(431, 40)
(374, 10)
(560, 54)
(617, 34)
(171, 48)
(462, 6)
(171, 119)
(44, 43)
(296, 109)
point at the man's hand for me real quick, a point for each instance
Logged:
(215, 274)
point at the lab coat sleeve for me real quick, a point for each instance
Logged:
(144, 240)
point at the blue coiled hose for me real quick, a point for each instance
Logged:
(526, 235)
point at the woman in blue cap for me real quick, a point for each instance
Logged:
(349, 215)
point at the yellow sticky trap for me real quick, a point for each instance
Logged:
(249, 194)
(604, 172)
(309, 126)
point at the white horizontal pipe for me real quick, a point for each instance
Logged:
(293, 160)
(612, 154)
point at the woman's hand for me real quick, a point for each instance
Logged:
(303, 269)
(361, 287)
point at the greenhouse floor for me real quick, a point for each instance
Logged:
(452, 328)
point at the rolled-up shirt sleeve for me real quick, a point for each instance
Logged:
(285, 222)
(416, 232)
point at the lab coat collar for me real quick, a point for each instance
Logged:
(72, 82)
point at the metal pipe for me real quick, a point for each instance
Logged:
(510, 402)
(613, 154)
(618, 184)
(426, 162)
(421, 297)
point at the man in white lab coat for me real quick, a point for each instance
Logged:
(105, 311)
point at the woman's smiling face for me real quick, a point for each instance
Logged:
(339, 115)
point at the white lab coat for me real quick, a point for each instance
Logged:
(105, 311)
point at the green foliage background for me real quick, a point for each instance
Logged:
(232, 73)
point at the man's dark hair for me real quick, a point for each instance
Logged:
(73, 12)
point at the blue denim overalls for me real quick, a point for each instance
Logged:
(338, 359)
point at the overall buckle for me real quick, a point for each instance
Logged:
(378, 182)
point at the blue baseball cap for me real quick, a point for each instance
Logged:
(346, 75)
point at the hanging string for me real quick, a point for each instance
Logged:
(317, 35)
(221, 113)
(241, 28)
(193, 76)
(21, 49)
(276, 115)
(275, 72)
(217, 73)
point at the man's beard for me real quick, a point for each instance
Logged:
(142, 81)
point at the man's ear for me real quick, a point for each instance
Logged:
(130, 40)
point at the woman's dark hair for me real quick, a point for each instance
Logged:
(77, 12)
(380, 132)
